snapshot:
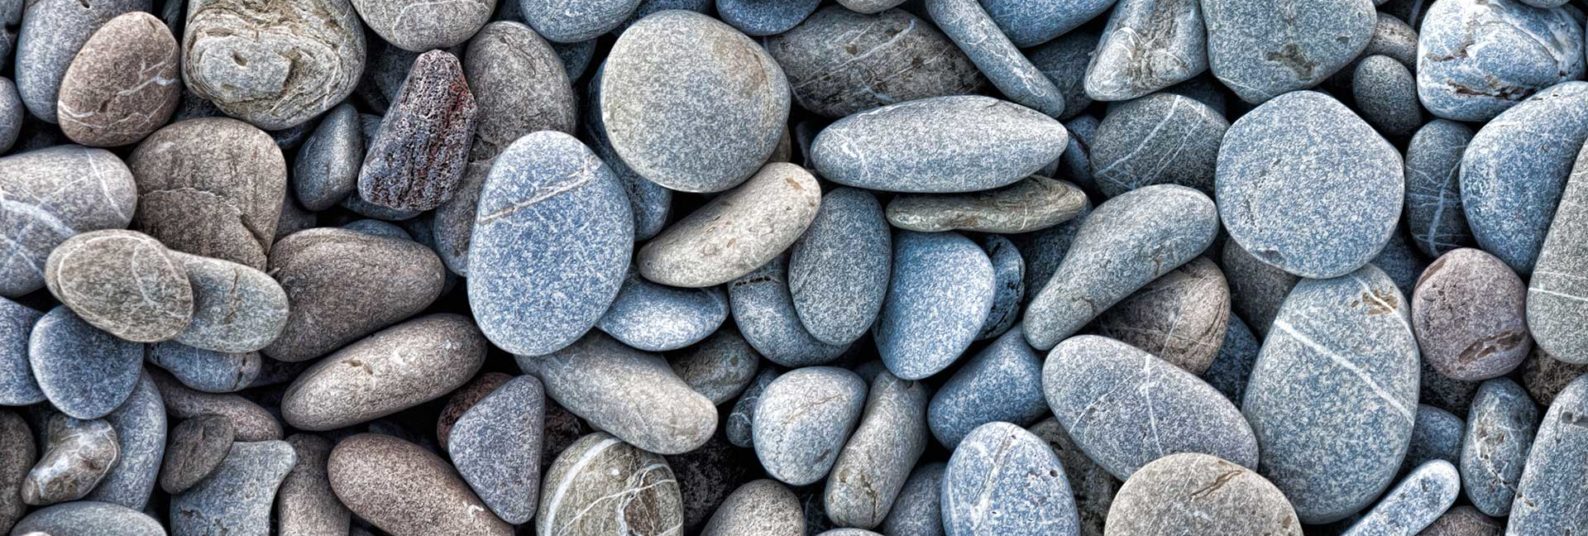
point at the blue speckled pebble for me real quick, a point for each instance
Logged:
(765, 17)
(1009, 273)
(1004, 480)
(976, 33)
(1413, 504)
(742, 417)
(942, 289)
(918, 510)
(658, 318)
(1261, 52)
(838, 270)
(84, 372)
(496, 446)
(1064, 61)
(140, 425)
(1232, 367)
(1476, 58)
(569, 21)
(763, 310)
(1030, 23)
(1500, 430)
(1003, 382)
(551, 244)
(1433, 191)
(1550, 498)
(803, 420)
(17, 387)
(1436, 435)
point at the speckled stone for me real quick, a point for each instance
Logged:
(1464, 520)
(1477, 58)
(762, 507)
(838, 270)
(631, 394)
(568, 21)
(1500, 429)
(1256, 288)
(344, 285)
(942, 289)
(736, 232)
(11, 109)
(1032, 22)
(650, 202)
(416, 159)
(1468, 311)
(326, 168)
(1545, 377)
(1001, 464)
(758, 18)
(740, 425)
(598, 468)
(1414, 503)
(395, 369)
(1547, 499)
(1515, 170)
(1180, 317)
(1386, 93)
(1144, 233)
(1148, 45)
(1436, 435)
(551, 242)
(840, 62)
(103, 103)
(1273, 203)
(1555, 308)
(123, 282)
(977, 33)
(305, 57)
(1002, 382)
(869, 6)
(88, 517)
(206, 370)
(690, 103)
(463, 399)
(235, 308)
(49, 37)
(140, 425)
(720, 367)
(252, 422)
(1009, 288)
(520, 86)
(707, 475)
(418, 27)
(237, 497)
(405, 490)
(876, 460)
(17, 454)
(76, 455)
(1194, 493)
(198, 446)
(1260, 52)
(764, 311)
(496, 446)
(1064, 61)
(51, 195)
(918, 510)
(1232, 366)
(902, 147)
(1333, 395)
(1433, 191)
(17, 387)
(803, 419)
(1162, 138)
(84, 372)
(305, 504)
(657, 318)
(1032, 204)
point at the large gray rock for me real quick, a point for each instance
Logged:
(51, 195)
(736, 232)
(496, 446)
(601, 470)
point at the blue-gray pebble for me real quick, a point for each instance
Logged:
(237, 498)
(1500, 430)
(650, 202)
(758, 18)
(1261, 52)
(52, 31)
(207, 371)
(1436, 435)
(1413, 504)
(1003, 382)
(763, 310)
(658, 318)
(1009, 286)
(84, 372)
(838, 270)
(1004, 480)
(918, 510)
(1163, 138)
(1477, 58)
(1148, 45)
(742, 417)
(1433, 192)
(496, 446)
(17, 387)
(942, 289)
(326, 169)
(1064, 61)
(1550, 498)
(976, 33)
(1386, 93)
(140, 425)
(1032, 22)
(1232, 367)
(803, 419)
(568, 21)
(88, 517)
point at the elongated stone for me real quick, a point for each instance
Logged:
(17, 454)
(514, 76)
(237, 498)
(49, 38)
(252, 422)
(89, 517)
(1032, 204)
(1555, 308)
(1003, 382)
(77, 454)
(206, 370)
(305, 504)
(803, 419)
(1148, 45)
(736, 232)
(918, 511)
(416, 159)
(938, 299)
(1546, 500)
(1477, 58)
(975, 31)
(1158, 139)
(1433, 188)
(405, 490)
(326, 169)
(1414, 503)
(876, 460)
(17, 386)
(1261, 52)
(198, 446)
(1001, 464)
(1181, 317)
(235, 308)
(103, 103)
(764, 310)
(1200, 494)
(123, 282)
(838, 271)
(658, 318)
(763, 507)
(51, 195)
(1500, 430)
(720, 367)
(84, 372)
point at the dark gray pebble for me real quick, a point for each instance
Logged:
(326, 168)
(197, 447)
(838, 270)
(496, 446)
(1180, 317)
(1158, 139)
(1433, 193)
(417, 157)
(764, 311)
(942, 289)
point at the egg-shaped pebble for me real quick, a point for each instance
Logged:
(252, 421)
(496, 446)
(1477, 58)
(198, 446)
(876, 460)
(514, 76)
(102, 103)
(1194, 493)
(657, 318)
(419, 27)
(305, 503)
(1555, 305)
(1500, 430)
(1004, 480)
(942, 288)
(735, 233)
(1469, 314)
(76, 455)
(764, 311)
(406, 491)
(1148, 45)
(1260, 52)
(762, 507)
(720, 367)
(1032, 204)
(88, 517)
(1002, 382)
(1413, 504)
(838, 270)
(84, 372)
(969, 25)
(1433, 189)
(568, 21)
(235, 308)
(326, 168)
(51, 195)
(123, 282)
(803, 419)
(49, 38)
(1386, 93)
(1180, 317)
(1162, 138)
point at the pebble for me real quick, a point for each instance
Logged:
(741, 418)
(1261, 53)
(405, 490)
(1033, 22)
(237, 497)
(600, 468)
(901, 147)
(840, 62)
(418, 27)
(1147, 46)
(1180, 317)
(1478, 58)
(569, 21)
(974, 30)
(631, 394)
(876, 460)
(1094, 487)
(838, 271)
(1004, 480)
(335, 302)
(764, 311)
(1545, 377)
(577, 57)
(1194, 493)
(520, 86)
(550, 246)
(1123, 234)
(658, 318)
(235, 308)
(1436, 435)
(84, 372)
(305, 503)
(1433, 189)
(1547, 498)
(762, 507)
(1468, 311)
(1009, 289)
(1414, 503)
(736, 232)
(720, 367)
(198, 446)
(452, 223)
(463, 399)
(1333, 395)
(206, 370)
(77, 454)
(1256, 288)
(1500, 430)
(416, 159)
(11, 109)
(1274, 206)
(1386, 93)
(252, 422)
(51, 195)
(1031, 204)
(869, 6)
(1509, 200)
(49, 37)
(942, 289)
(1464, 520)
(88, 517)
(101, 102)
(1064, 61)
(326, 168)
(140, 425)
(17, 454)
(17, 387)
(395, 369)
(803, 419)
(651, 203)
(496, 446)
(918, 510)
(1161, 138)
(757, 18)
(690, 103)
(123, 282)
(1555, 309)
(1002, 382)
(1232, 366)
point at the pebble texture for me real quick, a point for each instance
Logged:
(207, 370)
(1256, 288)
(326, 169)
(736, 232)
(1002, 382)
(305, 504)
(1469, 314)
(569, 21)
(1477, 58)
(462, 400)
(601, 485)
(1545, 377)
(235, 308)
(1162, 138)
(1180, 317)
(875, 462)
(252, 422)
(764, 311)
(971, 27)
(1260, 52)
(720, 367)
(1386, 92)
(1008, 286)
(11, 109)
(1500, 430)
(140, 425)
(658, 318)
(102, 103)
(1547, 501)
(76, 455)
(942, 289)
(1464, 520)
(49, 38)
(422, 26)
(237, 498)
(405, 490)
(519, 85)
(1032, 204)
(1232, 367)
(651, 203)
(838, 271)
(918, 511)
(88, 517)
(758, 18)
(741, 418)
(1436, 435)
(1413, 504)
(1004, 480)
(1064, 61)
(51, 195)
(1094, 488)
(1192, 493)
(1555, 307)
(122, 282)
(417, 157)
(1148, 45)
(1433, 188)
(197, 448)
(84, 372)
(18, 454)
(496, 447)
(762, 507)
(803, 419)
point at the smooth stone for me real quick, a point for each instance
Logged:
(918, 510)
(1257, 289)
(876, 460)
(140, 425)
(757, 18)
(1142, 234)
(17, 387)
(1232, 367)
(1031, 204)
(1393, 37)
(631, 394)
(707, 475)
(496, 447)
(1333, 394)
(464, 399)
(1548, 500)
(971, 28)
(252, 421)
(1555, 308)
(1001, 464)
(418, 27)
(237, 498)
(1465, 520)
(803, 419)
(1194, 493)
(599, 469)
(690, 103)
(1064, 61)
(720, 367)
(1386, 93)
(211, 187)
(520, 86)
(841, 62)
(17, 454)
(762, 507)
(207, 370)
(326, 168)
(1477, 58)
(51, 195)
(452, 223)
(1002, 382)
(123, 282)
(12, 111)
(736, 232)
(569, 21)
(1148, 45)
(1273, 204)
(49, 37)
(1162, 138)
(1500, 430)
(84, 372)
(1545, 377)
(378, 228)
(305, 503)
(942, 289)
(1515, 171)
(1414, 503)
(11, 16)
(1043, 251)
(1032, 22)
(101, 102)
(88, 517)
(1009, 289)
(1469, 315)
(77, 454)
(650, 202)
(1180, 317)
(1436, 435)
(741, 418)
(416, 159)
(334, 301)
(405, 490)
(576, 57)
(1433, 188)
(235, 308)
(395, 369)
(902, 147)
(658, 318)
(838, 270)
(1260, 52)
(869, 6)
(550, 247)
(198, 446)
(765, 313)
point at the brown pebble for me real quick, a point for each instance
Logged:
(197, 446)
(123, 282)
(123, 84)
(405, 490)
(1469, 314)
(1544, 376)
(1464, 520)
(1180, 317)
(416, 159)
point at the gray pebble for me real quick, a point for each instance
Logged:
(1436, 435)
(1433, 191)
(520, 86)
(1414, 503)
(378, 228)
(976, 32)
(1148, 45)
(838, 270)
(198, 446)
(1468, 311)
(1064, 61)
(1045, 250)
(1261, 52)
(764, 311)
(568, 21)
(876, 460)
(1555, 308)
(206, 370)
(123, 282)
(496, 446)
(294, 218)
(803, 419)
(763, 508)
(17, 454)
(658, 318)
(140, 425)
(326, 168)
(1545, 377)
(102, 102)
(1194, 493)
(305, 503)
(942, 289)
(869, 6)
(17, 387)
(1477, 58)
(422, 26)
(252, 422)
(720, 367)
(1032, 204)
(1548, 500)
(77, 454)
(1464, 520)
(1002, 382)
(1004, 480)
(463, 399)
(1386, 93)
(235, 308)
(88, 517)
(51, 34)
(51, 195)
(1232, 367)
(651, 203)
(741, 419)
(736, 232)
(12, 111)
(765, 17)
(918, 510)
(1162, 138)
(452, 223)
(84, 372)
(575, 57)
(1009, 289)
(1394, 38)
(237, 498)
(406, 491)
(1500, 429)
(1256, 288)
(1180, 317)
(417, 157)
(600, 468)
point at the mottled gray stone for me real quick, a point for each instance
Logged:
(1032, 22)
(869, 6)
(876, 460)
(1436, 435)
(942, 289)
(325, 170)
(631, 394)
(1500, 430)
(720, 367)
(1477, 58)
(421, 26)
(763, 507)
(600, 468)
(1002, 382)
(51, 34)
(198, 446)
(976, 32)
(1256, 288)
(1232, 366)
(736, 232)
(918, 510)
(1548, 500)
(1433, 191)
(1386, 93)
(1260, 52)
(520, 86)
(140, 426)
(463, 399)
(1180, 317)
(452, 223)
(88, 517)
(575, 57)
(1333, 395)
(1555, 308)
(650, 202)
(659, 318)
(803, 419)
(104, 103)
(235, 308)
(568, 21)
(1148, 45)
(1032, 204)
(765, 17)
(1064, 61)
(416, 159)
(378, 228)
(741, 419)
(1004, 480)
(1401, 262)
(84, 372)
(1043, 251)
(496, 447)
(1545, 377)
(1464, 520)
(77, 454)
(237, 497)
(406, 491)
(17, 387)
(206, 370)
(123, 282)
(1468, 311)
(1140, 236)
(838, 270)
(1162, 138)
(252, 422)
(294, 218)
(12, 111)
(51, 195)
(1009, 288)
(1093, 487)
(17, 454)
(764, 311)
(1413, 504)
(1194, 493)
(305, 504)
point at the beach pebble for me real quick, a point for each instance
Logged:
(1545, 377)
(1555, 308)
(1180, 317)
(1256, 288)
(1162, 138)
(326, 168)
(17, 453)
(658, 318)
(942, 289)
(419, 27)
(49, 37)
(918, 510)
(519, 85)
(1547, 499)
(736, 232)
(1064, 61)
(1469, 315)
(84, 372)
(1436, 435)
(1464, 520)
(123, 282)
(1148, 45)
(1414, 503)
(206, 370)
(1261, 53)
(305, 503)
(876, 460)
(1196, 493)
(17, 387)
(1094, 488)
(198, 446)
(762, 507)
(103, 103)
(1500, 430)
(76, 455)
(235, 308)
(765, 17)
(974, 30)
(51, 195)
(741, 418)
(1032, 204)
(1002, 382)
(405, 490)
(236, 498)
(838, 270)
(764, 311)
(598, 470)
(1033, 22)
(1009, 289)
(1477, 58)
(720, 367)
(88, 517)
(140, 425)
(1433, 191)
(496, 447)
(252, 422)
(569, 21)
(1386, 93)
(803, 419)
(651, 203)
(463, 399)
(1004, 480)
(417, 157)
(1232, 366)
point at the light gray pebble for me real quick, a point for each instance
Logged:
(942, 289)
(235, 308)
(736, 232)
(1200, 494)
(1001, 464)
(49, 38)
(1555, 308)
(567, 21)
(208, 371)
(197, 447)
(720, 367)
(1180, 317)
(305, 503)
(803, 419)
(123, 282)
(419, 27)
(51, 195)
(76, 456)
(1260, 52)
(1414, 503)
(1547, 500)
(140, 425)
(575, 57)
(1433, 191)
(496, 446)
(741, 419)
(1477, 58)
(238, 497)
(764, 311)
(838, 270)
(651, 203)
(1002, 382)
(1031, 204)
(1148, 45)
(325, 170)
(762, 507)
(658, 318)
(1162, 138)
(88, 517)
(1500, 430)
(1386, 93)
(84, 372)
(876, 460)
(520, 86)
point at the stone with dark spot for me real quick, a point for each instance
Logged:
(601, 470)
(741, 418)
(305, 504)
(84, 372)
(970, 26)
(1032, 204)
(1148, 45)
(417, 157)
(838, 270)
(1556, 309)
(1260, 52)
(405, 490)
(1477, 58)
(519, 85)
(1180, 317)
(1433, 191)
(325, 170)
(51, 195)
(736, 232)
(1500, 430)
(763, 507)
(197, 447)
(876, 460)
(422, 26)
(103, 102)
(1001, 464)
(496, 446)
(1196, 493)
(1469, 314)
(803, 419)
(1162, 138)
(942, 289)
(1009, 288)
(77, 454)
(1548, 497)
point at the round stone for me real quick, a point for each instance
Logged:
(570, 21)
(49, 37)
(123, 282)
(1200, 494)
(1260, 52)
(404, 489)
(423, 26)
(84, 372)
(1500, 430)
(838, 270)
(88, 517)
(1469, 314)
(803, 419)
(513, 74)
(1180, 317)
(51, 195)
(102, 102)
(763, 507)
(764, 310)
(1477, 58)
(1001, 464)
(735, 232)
(941, 291)
(1002, 382)
(1162, 138)
(1386, 93)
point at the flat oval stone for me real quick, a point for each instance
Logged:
(938, 299)
(51, 195)
(1433, 189)
(235, 308)
(102, 103)
(838, 270)
(631, 394)
(1514, 172)
(1162, 138)
(424, 26)
(1145, 233)
(237, 497)
(305, 503)
(1414, 503)
(840, 62)
(416, 159)
(903, 147)
(600, 468)
(326, 168)
(1001, 464)
(1200, 494)
(1500, 430)
(1547, 500)
(140, 426)
(88, 517)
(395, 369)
(1464, 520)
(1333, 395)
(306, 57)
(764, 310)
(758, 18)
(405, 490)
(252, 421)
(1032, 204)
(513, 74)
(1180, 318)
(1148, 45)
(207, 370)
(1555, 307)
(720, 367)
(690, 103)
(918, 511)
(658, 318)
(1468, 311)
(1477, 58)
(77, 454)
(17, 454)
(803, 419)
(551, 243)
(651, 203)
(123, 282)
(1545, 377)
(1436, 435)
(741, 419)
(763, 507)
(1002, 382)
(496, 447)
(876, 460)
(84, 372)
(568, 21)
(1260, 52)
(735, 232)
(1386, 93)
(17, 387)
(49, 37)
(197, 448)
(976, 32)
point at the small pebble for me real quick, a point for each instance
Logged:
(765, 17)
(1148, 45)
(1477, 58)
(918, 511)
(876, 460)
(496, 447)
(305, 503)
(235, 308)
(1001, 464)
(326, 169)
(719, 368)
(764, 311)
(736, 232)
(658, 318)
(1162, 138)
(763, 508)
(1500, 430)
(1032, 204)
(76, 456)
(406, 491)
(1261, 53)
(236, 498)
(103, 103)
(1433, 191)
(1469, 315)
(1180, 317)
(838, 270)
(1414, 503)
(1193, 493)
(49, 198)
(741, 419)
(198, 446)
(84, 372)
(942, 289)
(1386, 93)
(969, 25)
(569, 21)
(1002, 382)
(803, 419)
(417, 157)
(1436, 435)
(600, 470)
